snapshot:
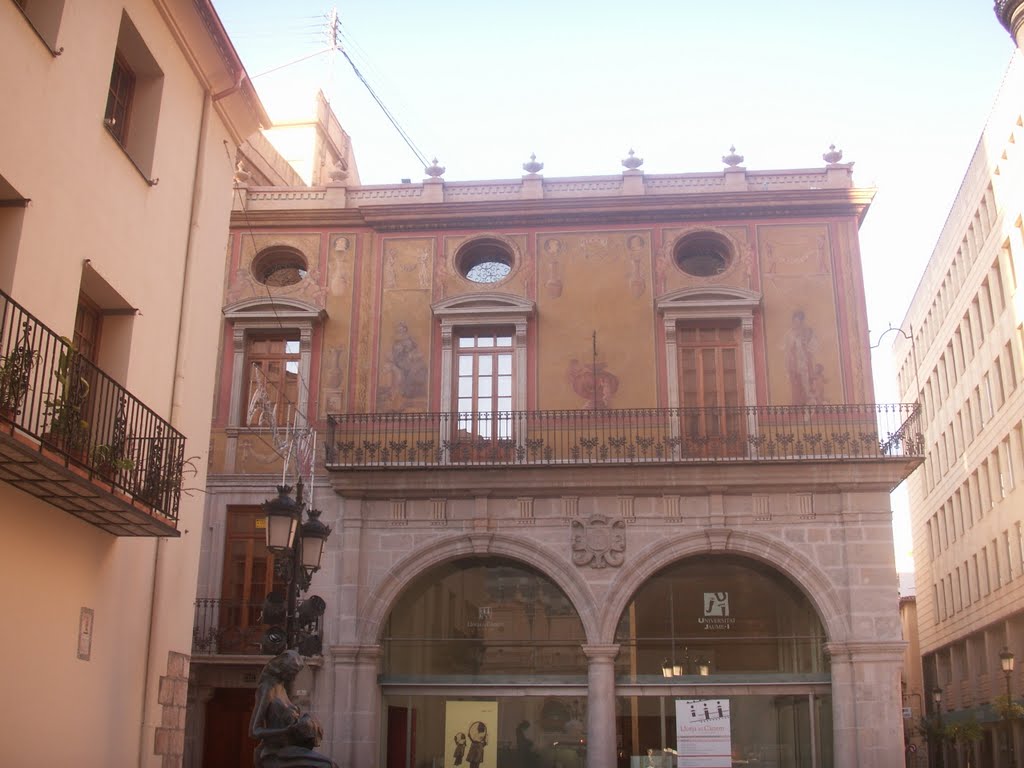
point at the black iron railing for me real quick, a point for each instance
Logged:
(82, 417)
(633, 435)
(225, 626)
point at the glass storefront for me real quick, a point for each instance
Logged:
(768, 731)
(483, 668)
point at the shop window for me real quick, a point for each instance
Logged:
(133, 98)
(734, 615)
(45, 17)
(483, 618)
(272, 368)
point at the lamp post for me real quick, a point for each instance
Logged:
(1006, 661)
(297, 547)
(937, 699)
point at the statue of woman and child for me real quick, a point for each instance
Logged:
(287, 736)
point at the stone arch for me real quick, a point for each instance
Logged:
(384, 596)
(720, 541)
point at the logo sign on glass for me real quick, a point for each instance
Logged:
(716, 616)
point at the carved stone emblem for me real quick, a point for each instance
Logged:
(599, 541)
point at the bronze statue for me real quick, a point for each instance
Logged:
(287, 736)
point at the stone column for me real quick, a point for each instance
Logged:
(355, 728)
(867, 712)
(601, 746)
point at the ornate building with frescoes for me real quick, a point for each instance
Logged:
(606, 479)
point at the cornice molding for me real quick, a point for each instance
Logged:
(557, 212)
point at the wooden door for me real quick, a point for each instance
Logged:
(711, 389)
(248, 578)
(226, 740)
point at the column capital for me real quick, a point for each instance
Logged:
(866, 651)
(600, 652)
(355, 655)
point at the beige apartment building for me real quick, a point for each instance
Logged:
(121, 122)
(961, 358)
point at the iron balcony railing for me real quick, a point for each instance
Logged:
(224, 626)
(80, 416)
(632, 435)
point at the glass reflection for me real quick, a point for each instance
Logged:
(719, 615)
(483, 618)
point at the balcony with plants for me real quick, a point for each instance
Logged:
(75, 438)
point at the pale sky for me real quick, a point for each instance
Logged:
(903, 87)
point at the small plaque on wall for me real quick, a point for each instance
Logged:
(85, 625)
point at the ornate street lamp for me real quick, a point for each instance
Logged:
(937, 699)
(298, 548)
(1006, 661)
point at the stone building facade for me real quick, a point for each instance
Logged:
(601, 460)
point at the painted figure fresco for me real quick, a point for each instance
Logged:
(806, 377)
(593, 383)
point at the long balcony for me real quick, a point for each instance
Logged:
(888, 437)
(75, 438)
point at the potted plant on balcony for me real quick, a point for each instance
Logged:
(68, 430)
(15, 374)
(111, 458)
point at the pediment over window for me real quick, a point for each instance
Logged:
(484, 306)
(720, 300)
(280, 310)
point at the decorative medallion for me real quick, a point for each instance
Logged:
(599, 541)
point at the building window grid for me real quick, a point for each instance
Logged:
(977, 578)
(999, 295)
(1000, 392)
(986, 570)
(1012, 367)
(947, 509)
(1020, 544)
(967, 583)
(119, 98)
(1009, 555)
(997, 570)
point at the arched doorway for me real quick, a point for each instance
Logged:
(723, 657)
(482, 667)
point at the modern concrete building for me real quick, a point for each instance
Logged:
(601, 460)
(121, 122)
(912, 679)
(962, 359)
